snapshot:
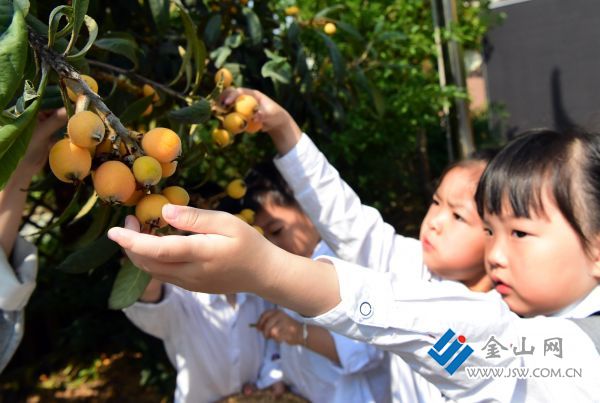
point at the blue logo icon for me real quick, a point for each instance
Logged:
(443, 358)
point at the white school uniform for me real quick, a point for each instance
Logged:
(361, 377)
(396, 310)
(17, 282)
(357, 233)
(210, 343)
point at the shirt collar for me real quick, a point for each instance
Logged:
(583, 308)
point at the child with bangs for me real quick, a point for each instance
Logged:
(542, 251)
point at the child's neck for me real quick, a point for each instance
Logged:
(479, 284)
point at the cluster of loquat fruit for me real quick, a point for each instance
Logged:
(121, 174)
(238, 118)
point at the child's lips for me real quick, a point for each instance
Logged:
(427, 246)
(501, 287)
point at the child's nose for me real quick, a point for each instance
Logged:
(495, 255)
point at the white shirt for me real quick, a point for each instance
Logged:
(408, 317)
(210, 343)
(357, 233)
(18, 282)
(361, 377)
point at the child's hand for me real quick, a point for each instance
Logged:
(48, 122)
(225, 255)
(275, 120)
(277, 325)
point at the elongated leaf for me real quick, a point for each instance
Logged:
(328, 10)
(80, 8)
(122, 46)
(89, 257)
(17, 128)
(13, 54)
(86, 208)
(220, 56)
(254, 27)
(101, 217)
(128, 286)
(364, 84)
(66, 215)
(336, 57)
(135, 110)
(186, 63)
(160, 13)
(212, 32)
(277, 71)
(6, 14)
(54, 21)
(24, 129)
(350, 30)
(195, 45)
(92, 28)
(196, 113)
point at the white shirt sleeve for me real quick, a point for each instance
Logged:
(356, 356)
(409, 317)
(355, 232)
(270, 372)
(17, 280)
(157, 319)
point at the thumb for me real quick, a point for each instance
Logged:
(199, 221)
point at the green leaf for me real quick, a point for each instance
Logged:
(324, 12)
(336, 57)
(160, 13)
(80, 8)
(86, 208)
(15, 129)
(350, 30)
(22, 5)
(196, 113)
(234, 40)
(279, 71)
(92, 28)
(66, 215)
(89, 257)
(121, 46)
(21, 129)
(13, 54)
(254, 27)
(135, 110)
(212, 32)
(128, 286)
(6, 14)
(197, 47)
(52, 98)
(220, 55)
(100, 222)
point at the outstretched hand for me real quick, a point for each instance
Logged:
(223, 255)
(276, 121)
(48, 122)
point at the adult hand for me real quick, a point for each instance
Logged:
(223, 255)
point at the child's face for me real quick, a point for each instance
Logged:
(538, 264)
(288, 227)
(452, 232)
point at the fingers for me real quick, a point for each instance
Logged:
(229, 95)
(131, 223)
(266, 315)
(167, 249)
(200, 221)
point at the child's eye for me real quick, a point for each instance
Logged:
(276, 232)
(435, 201)
(458, 217)
(519, 234)
(488, 231)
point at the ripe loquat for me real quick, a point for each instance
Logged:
(162, 143)
(168, 168)
(149, 90)
(225, 75)
(149, 210)
(221, 137)
(330, 28)
(236, 189)
(114, 182)
(248, 215)
(176, 195)
(246, 105)
(69, 162)
(89, 81)
(234, 122)
(85, 129)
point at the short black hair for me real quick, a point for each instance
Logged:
(565, 164)
(483, 156)
(264, 182)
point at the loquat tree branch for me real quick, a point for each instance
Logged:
(67, 72)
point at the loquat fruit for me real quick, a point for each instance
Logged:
(221, 137)
(168, 168)
(292, 11)
(234, 122)
(246, 105)
(236, 189)
(147, 171)
(69, 162)
(253, 126)
(85, 129)
(176, 195)
(259, 229)
(114, 182)
(162, 143)
(330, 28)
(135, 198)
(89, 81)
(149, 90)
(149, 210)
(225, 75)
(248, 215)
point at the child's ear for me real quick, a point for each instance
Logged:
(595, 251)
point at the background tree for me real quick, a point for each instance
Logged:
(359, 77)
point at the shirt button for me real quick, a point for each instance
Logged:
(365, 309)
